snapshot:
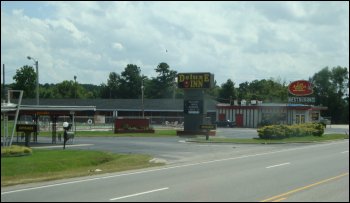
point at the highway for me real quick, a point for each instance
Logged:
(316, 172)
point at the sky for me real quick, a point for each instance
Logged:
(241, 41)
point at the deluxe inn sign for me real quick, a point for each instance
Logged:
(195, 80)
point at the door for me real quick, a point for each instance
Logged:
(222, 117)
(239, 120)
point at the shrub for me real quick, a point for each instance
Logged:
(318, 129)
(15, 150)
(125, 126)
(273, 132)
(285, 131)
(264, 123)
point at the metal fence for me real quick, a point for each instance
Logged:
(107, 123)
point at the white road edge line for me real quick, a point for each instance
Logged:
(137, 194)
(278, 165)
(344, 152)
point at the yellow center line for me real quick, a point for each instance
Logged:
(278, 200)
(303, 188)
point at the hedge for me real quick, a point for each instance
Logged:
(286, 131)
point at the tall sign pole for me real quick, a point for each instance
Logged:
(195, 110)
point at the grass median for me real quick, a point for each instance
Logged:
(44, 164)
(306, 139)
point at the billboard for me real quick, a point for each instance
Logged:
(301, 91)
(300, 88)
(195, 80)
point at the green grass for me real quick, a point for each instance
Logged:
(45, 165)
(326, 137)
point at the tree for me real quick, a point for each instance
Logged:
(113, 84)
(91, 91)
(65, 90)
(213, 92)
(163, 85)
(25, 79)
(264, 90)
(71, 90)
(227, 92)
(330, 88)
(243, 90)
(104, 91)
(130, 82)
(47, 91)
(340, 78)
(322, 85)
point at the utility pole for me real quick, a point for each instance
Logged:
(3, 81)
(75, 90)
(37, 82)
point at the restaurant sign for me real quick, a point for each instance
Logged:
(300, 88)
(195, 80)
(301, 99)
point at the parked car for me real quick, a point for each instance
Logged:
(226, 123)
(325, 121)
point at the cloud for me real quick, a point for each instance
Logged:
(234, 40)
(117, 46)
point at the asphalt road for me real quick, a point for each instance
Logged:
(206, 172)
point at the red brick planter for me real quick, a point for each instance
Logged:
(122, 125)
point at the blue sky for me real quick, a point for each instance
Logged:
(241, 41)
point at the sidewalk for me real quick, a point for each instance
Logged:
(339, 126)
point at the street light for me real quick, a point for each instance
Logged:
(37, 78)
(174, 87)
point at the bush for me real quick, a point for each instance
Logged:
(273, 132)
(15, 150)
(318, 129)
(264, 123)
(286, 131)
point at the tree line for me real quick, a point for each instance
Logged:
(331, 88)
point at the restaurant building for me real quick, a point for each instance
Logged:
(256, 113)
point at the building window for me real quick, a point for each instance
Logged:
(299, 118)
(273, 118)
(315, 116)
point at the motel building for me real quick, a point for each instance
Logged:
(255, 113)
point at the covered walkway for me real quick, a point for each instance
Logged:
(29, 115)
